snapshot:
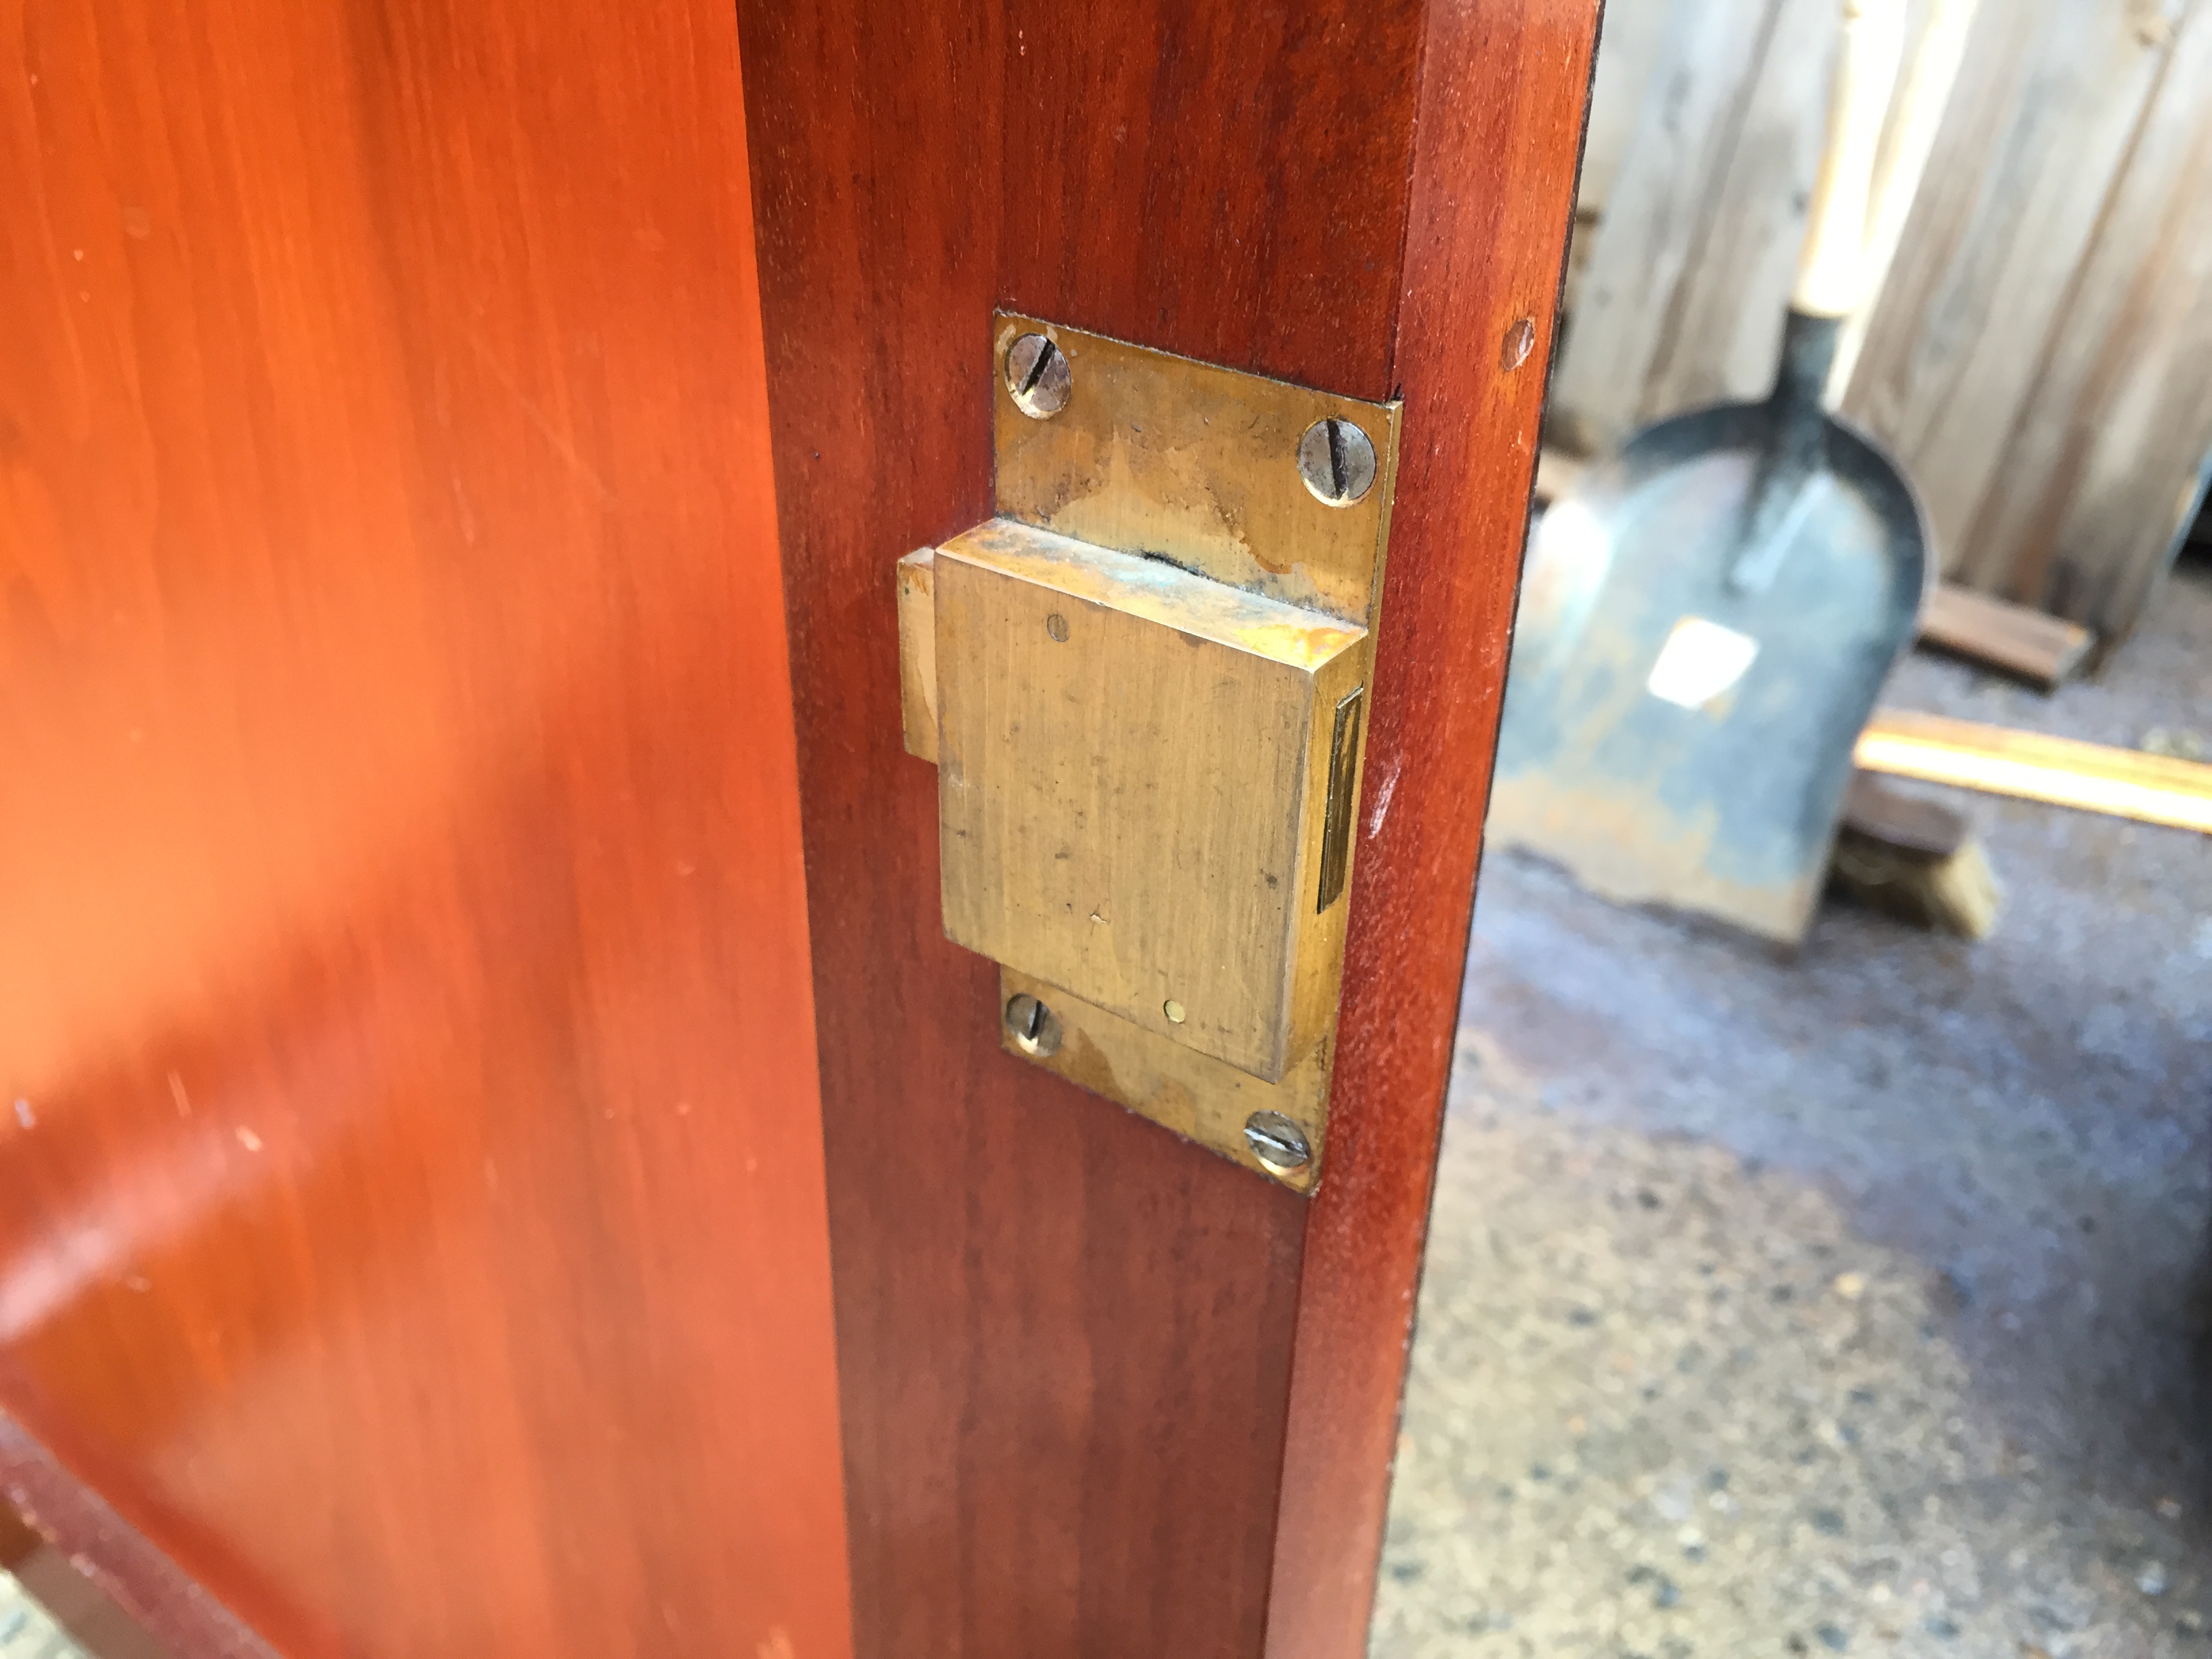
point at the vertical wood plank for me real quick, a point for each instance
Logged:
(1928, 76)
(1688, 248)
(1064, 1335)
(2100, 473)
(2011, 360)
(1634, 34)
(2046, 107)
(1499, 119)
(1722, 334)
(1658, 215)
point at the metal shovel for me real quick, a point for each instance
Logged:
(1707, 615)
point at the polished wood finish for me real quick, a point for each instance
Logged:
(1105, 1393)
(1504, 92)
(414, 1226)
(119, 1558)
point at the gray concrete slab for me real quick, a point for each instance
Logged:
(1844, 1302)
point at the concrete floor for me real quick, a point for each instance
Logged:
(1839, 1305)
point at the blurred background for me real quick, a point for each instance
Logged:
(1846, 1297)
(2037, 351)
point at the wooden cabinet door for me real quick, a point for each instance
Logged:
(496, 1154)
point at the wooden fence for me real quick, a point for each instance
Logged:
(2039, 356)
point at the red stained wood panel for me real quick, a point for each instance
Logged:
(415, 1228)
(1105, 1393)
(89, 1536)
(1500, 110)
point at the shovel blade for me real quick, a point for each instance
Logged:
(1675, 737)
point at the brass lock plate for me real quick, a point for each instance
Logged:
(1160, 456)
(1144, 684)
(1127, 806)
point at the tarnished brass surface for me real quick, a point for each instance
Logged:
(917, 623)
(1201, 1098)
(1143, 684)
(1132, 777)
(1160, 455)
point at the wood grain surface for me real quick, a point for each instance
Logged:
(1105, 1393)
(1681, 297)
(2040, 131)
(414, 1223)
(1504, 92)
(2103, 461)
(2039, 648)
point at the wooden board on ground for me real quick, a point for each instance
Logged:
(1914, 858)
(2032, 766)
(2031, 645)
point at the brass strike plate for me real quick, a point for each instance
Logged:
(1144, 685)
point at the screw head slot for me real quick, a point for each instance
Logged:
(1037, 376)
(1337, 460)
(1277, 1142)
(1034, 1027)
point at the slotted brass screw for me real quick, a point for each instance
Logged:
(1337, 460)
(1277, 1142)
(1037, 376)
(1034, 1027)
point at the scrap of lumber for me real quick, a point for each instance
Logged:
(2121, 782)
(2039, 648)
(1914, 858)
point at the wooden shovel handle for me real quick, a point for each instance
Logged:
(1930, 70)
(1830, 271)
